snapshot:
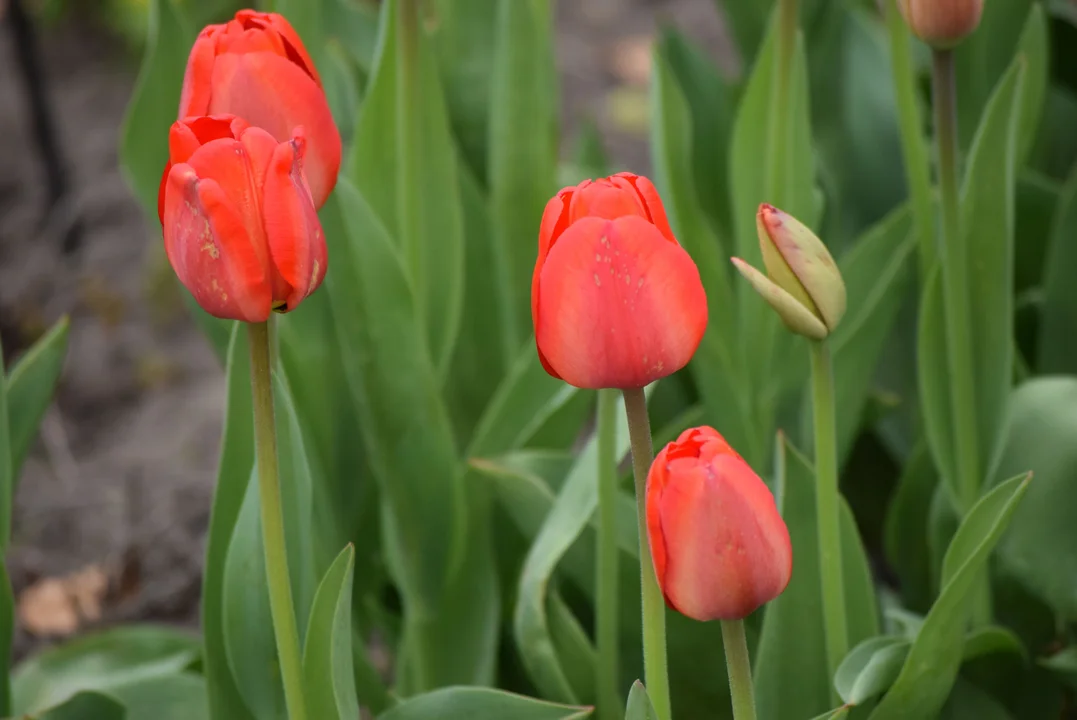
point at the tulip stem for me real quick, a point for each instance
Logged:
(280, 588)
(609, 703)
(956, 301)
(826, 505)
(656, 676)
(739, 667)
(913, 146)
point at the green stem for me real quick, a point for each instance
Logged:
(606, 601)
(739, 667)
(956, 301)
(656, 676)
(280, 589)
(913, 145)
(826, 503)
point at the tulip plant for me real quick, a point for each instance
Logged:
(423, 507)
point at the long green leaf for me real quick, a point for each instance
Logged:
(933, 661)
(870, 668)
(465, 703)
(639, 704)
(906, 529)
(233, 476)
(404, 163)
(522, 151)
(987, 213)
(30, 386)
(1057, 341)
(790, 669)
(1035, 48)
(327, 655)
(404, 423)
(86, 706)
(178, 696)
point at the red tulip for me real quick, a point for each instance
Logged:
(616, 302)
(719, 546)
(256, 67)
(239, 223)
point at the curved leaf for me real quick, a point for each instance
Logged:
(30, 387)
(639, 704)
(180, 696)
(870, 668)
(467, 703)
(1057, 347)
(931, 667)
(86, 706)
(327, 655)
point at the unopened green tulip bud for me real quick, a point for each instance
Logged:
(941, 23)
(802, 283)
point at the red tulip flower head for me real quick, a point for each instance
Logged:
(616, 301)
(239, 223)
(255, 67)
(719, 546)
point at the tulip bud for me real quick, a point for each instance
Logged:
(803, 284)
(616, 301)
(942, 23)
(239, 224)
(720, 548)
(256, 67)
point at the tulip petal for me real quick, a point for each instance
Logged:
(273, 93)
(656, 211)
(294, 234)
(619, 306)
(608, 198)
(208, 246)
(197, 78)
(796, 317)
(728, 550)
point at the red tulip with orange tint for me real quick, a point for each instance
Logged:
(616, 301)
(240, 228)
(255, 67)
(719, 545)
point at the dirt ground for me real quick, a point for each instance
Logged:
(122, 475)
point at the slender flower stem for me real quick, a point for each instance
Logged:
(656, 676)
(826, 503)
(956, 300)
(609, 702)
(913, 145)
(280, 588)
(739, 667)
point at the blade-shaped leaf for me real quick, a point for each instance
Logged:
(639, 704)
(233, 475)
(1057, 341)
(468, 703)
(30, 386)
(1034, 46)
(933, 661)
(327, 655)
(179, 696)
(870, 668)
(790, 668)
(86, 706)
(404, 163)
(522, 151)
(905, 533)
(101, 661)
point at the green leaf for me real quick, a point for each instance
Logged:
(404, 423)
(1034, 46)
(466, 38)
(748, 22)
(155, 101)
(7, 482)
(566, 520)
(7, 633)
(987, 220)
(233, 476)
(1057, 341)
(467, 703)
(968, 702)
(86, 706)
(404, 163)
(906, 530)
(1040, 548)
(933, 661)
(877, 271)
(327, 655)
(715, 367)
(1064, 665)
(522, 151)
(870, 668)
(100, 661)
(574, 648)
(179, 696)
(791, 669)
(248, 626)
(30, 387)
(992, 640)
(639, 704)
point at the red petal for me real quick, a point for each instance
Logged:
(606, 199)
(618, 305)
(198, 76)
(656, 484)
(656, 211)
(207, 245)
(273, 93)
(296, 242)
